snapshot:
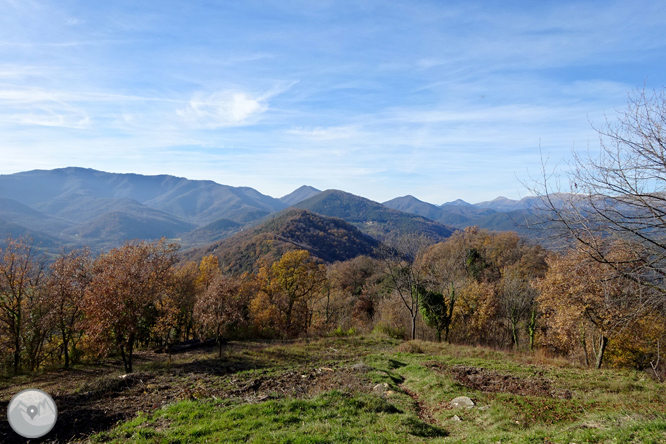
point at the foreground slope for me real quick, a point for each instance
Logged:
(327, 239)
(332, 390)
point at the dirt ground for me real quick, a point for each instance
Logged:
(95, 398)
(494, 382)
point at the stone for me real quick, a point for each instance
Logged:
(381, 388)
(361, 367)
(456, 418)
(461, 402)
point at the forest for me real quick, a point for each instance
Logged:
(476, 288)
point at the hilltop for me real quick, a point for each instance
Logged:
(327, 239)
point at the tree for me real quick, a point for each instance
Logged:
(220, 308)
(20, 279)
(517, 303)
(437, 310)
(66, 285)
(120, 301)
(619, 195)
(286, 288)
(582, 297)
(405, 275)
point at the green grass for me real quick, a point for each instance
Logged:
(607, 406)
(329, 418)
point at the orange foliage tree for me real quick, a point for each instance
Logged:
(20, 280)
(66, 285)
(221, 308)
(286, 288)
(581, 297)
(120, 302)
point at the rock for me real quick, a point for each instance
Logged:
(381, 388)
(361, 367)
(456, 418)
(461, 402)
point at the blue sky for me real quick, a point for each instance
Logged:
(437, 99)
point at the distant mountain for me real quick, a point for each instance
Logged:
(15, 212)
(530, 202)
(39, 239)
(77, 205)
(410, 204)
(214, 231)
(327, 239)
(76, 193)
(373, 218)
(69, 207)
(501, 214)
(299, 195)
(457, 202)
(116, 226)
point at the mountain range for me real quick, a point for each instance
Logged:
(70, 207)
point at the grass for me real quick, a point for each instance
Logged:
(328, 418)
(310, 392)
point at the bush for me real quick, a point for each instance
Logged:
(340, 332)
(391, 332)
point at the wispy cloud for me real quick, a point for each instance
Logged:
(442, 100)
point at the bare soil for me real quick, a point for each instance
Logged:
(489, 381)
(95, 398)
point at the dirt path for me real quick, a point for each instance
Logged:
(422, 410)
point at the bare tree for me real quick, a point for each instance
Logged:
(405, 275)
(619, 195)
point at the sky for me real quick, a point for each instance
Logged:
(441, 100)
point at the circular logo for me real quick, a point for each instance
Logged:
(32, 413)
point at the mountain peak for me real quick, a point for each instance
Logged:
(299, 195)
(457, 202)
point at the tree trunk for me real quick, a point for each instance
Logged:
(17, 354)
(603, 342)
(413, 327)
(514, 333)
(531, 328)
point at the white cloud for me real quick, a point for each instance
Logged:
(222, 109)
(326, 133)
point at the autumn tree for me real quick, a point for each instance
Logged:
(20, 278)
(66, 284)
(120, 301)
(354, 286)
(484, 280)
(286, 288)
(221, 308)
(581, 297)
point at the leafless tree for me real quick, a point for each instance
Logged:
(405, 274)
(619, 196)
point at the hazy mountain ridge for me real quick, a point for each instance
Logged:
(75, 206)
(78, 205)
(373, 218)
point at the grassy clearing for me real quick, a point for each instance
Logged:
(314, 392)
